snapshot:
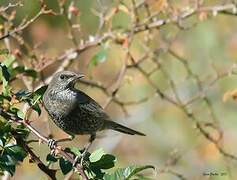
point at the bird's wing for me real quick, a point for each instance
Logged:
(85, 99)
(90, 106)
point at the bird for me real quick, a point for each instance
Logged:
(75, 112)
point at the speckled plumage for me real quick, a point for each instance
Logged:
(74, 111)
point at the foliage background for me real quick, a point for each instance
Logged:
(166, 68)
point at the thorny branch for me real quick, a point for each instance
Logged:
(50, 172)
(10, 5)
(57, 149)
(24, 24)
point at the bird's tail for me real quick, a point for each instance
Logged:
(118, 127)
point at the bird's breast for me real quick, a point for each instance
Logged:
(59, 104)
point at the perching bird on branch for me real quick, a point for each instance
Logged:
(75, 112)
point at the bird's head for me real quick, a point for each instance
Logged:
(64, 79)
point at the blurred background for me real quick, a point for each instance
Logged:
(166, 68)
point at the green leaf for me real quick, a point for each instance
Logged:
(7, 163)
(36, 107)
(4, 51)
(6, 90)
(142, 177)
(96, 155)
(76, 151)
(5, 76)
(5, 73)
(35, 97)
(95, 173)
(22, 93)
(16, 151)
(10, 169)
(38, 94)
(107, 161)
(30, 72)
(20, 114)
(98, 161)
(99, 57)
(65, 166)
(51, 158)
(22, 131)
(14, 110)
(27, 72)
(9, 60)
(7, 160)
(4, 128)
(137, 169)
(2, 142)
(126, 173)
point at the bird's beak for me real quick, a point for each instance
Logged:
(75, 78)
(79, 76)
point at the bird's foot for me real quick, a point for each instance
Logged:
(74, 164)
(80, 159)
(52, 145)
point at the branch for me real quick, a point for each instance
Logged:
(57, 149)
(185, 14)
(10, 5)
(50, 172)
(24, 24)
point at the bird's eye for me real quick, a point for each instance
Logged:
(62, 76)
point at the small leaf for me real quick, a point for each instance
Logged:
(9, 60)
(22, 131)
(22, 93)
(65, 166)
(36, 108)
(6, 90)
(27, 72)
(51, 158)
(38, 94)
(35, 97)
(2, 142)
(142, 177)
(4, 51)
(107, 161)
(99, 57)
(20, 114)
(7, 163)
(95, 173)
(5, 127)
(5, 77)
(13, 110)
(5, 72)
(96, 155)
(30, 72)
(17, 152)
(138, 169)
(126, 173)
(7, 160)
(11, 169)
(76, 151)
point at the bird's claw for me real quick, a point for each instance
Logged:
(74, 164)
(52, 143)
(79, 158)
